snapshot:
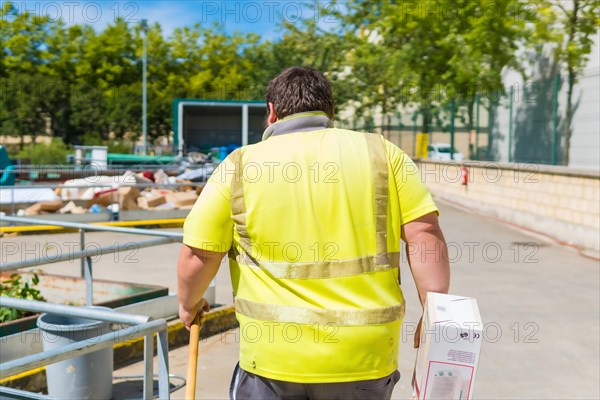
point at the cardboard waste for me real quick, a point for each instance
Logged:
(182, 199)
(88, 188)
(44, 207)
(72, 208)
(126, 197)
(151, 201)
(161, 177)
(100, 193)
(103, 198)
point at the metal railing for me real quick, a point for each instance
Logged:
(96, 169)
(83, 171)
(85, 255)
(140, 325)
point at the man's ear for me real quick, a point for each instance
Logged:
(272, 118)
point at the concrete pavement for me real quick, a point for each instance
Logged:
(539, 301)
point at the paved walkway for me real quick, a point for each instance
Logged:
(540, 302)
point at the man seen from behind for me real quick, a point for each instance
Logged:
(312, 218)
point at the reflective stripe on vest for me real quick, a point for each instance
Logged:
(321, 270)
(301, 315)
(325, 269)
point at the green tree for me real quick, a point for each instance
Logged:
(23, 105)
(107, 71)
(304, 43)
(436, 51)
(22, 36)
(372, 83)
(414, 43)
(488, 36)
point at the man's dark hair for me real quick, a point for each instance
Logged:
(300, 89)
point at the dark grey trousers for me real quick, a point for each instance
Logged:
(247, 386)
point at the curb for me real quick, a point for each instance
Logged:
(219, 320)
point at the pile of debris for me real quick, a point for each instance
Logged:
(116, 193)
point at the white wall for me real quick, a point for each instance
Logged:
(585, 142)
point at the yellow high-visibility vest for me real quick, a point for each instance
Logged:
(314, 270)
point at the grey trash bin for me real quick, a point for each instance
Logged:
(84, 377)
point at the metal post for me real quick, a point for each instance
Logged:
(82, 248)
(244, 124)
(163, 365)
(118, 213)
(148, 367)
(477, 129)
(452, 130)
(510, 124)
(179, 133)
(12, 200)
(555, 121)
(89, 282)
(144, 89)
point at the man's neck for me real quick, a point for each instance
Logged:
(300, 122)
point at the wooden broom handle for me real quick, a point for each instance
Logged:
(190, 389)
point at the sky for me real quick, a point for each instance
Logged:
(248, 16)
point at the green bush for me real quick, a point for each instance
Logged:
(120, 147)
(18, 289)
(44, 154)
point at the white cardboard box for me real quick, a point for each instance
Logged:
(448, 355)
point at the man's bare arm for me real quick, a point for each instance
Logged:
(195, 270)
(427, 255)
(428, 259)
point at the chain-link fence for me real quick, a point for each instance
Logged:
(523, 122)
(467, 131)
